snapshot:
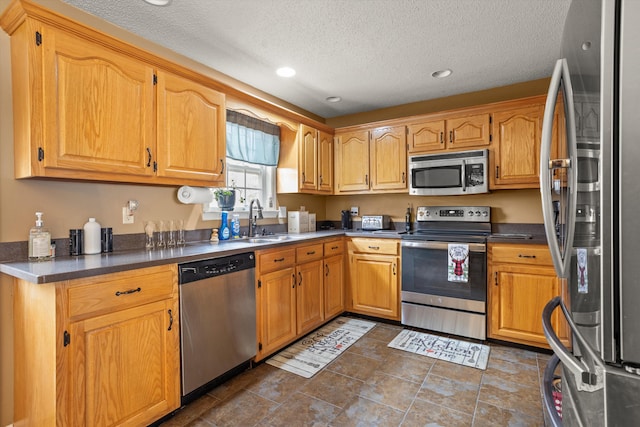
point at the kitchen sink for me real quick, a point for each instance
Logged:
(269, 238)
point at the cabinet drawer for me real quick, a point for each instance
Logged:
(521, 254)
(309, 253)
(374, 246)
(114, 292)
(333, 247)
(271, 260)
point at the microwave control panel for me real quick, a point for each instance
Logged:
(454, 213)
(475, 174)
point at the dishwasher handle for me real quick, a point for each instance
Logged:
(213, 267)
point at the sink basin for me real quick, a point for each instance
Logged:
(268, 238)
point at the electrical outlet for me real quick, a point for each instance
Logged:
(126, 218)
(354, 211)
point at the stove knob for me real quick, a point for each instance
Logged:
(478, 213)
(470, 213)
(485, 213)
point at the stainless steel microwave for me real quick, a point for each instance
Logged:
(461, 172)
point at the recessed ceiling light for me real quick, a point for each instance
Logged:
(158, 2)
(440, 74)
(333, 99)
(286, 72)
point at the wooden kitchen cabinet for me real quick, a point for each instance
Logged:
(521, 281)
(455, 133)
(333, 278)
(309, 287)
(306, 162)
(96, 356)
(191, 130)
(371, 161)
(85, 108)
(299, 287)
(374, 277)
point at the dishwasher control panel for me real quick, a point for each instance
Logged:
(198, 270)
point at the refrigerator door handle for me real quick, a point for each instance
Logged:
(588, 372)
(561, 257)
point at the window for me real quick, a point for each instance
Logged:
(252, 181)
(252, 154)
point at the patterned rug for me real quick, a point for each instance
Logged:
(442, 348)
(312, 353)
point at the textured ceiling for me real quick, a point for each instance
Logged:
(372, 53)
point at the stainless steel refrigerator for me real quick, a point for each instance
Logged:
(590, 188)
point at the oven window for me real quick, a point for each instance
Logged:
(437, 177)
(424, 271)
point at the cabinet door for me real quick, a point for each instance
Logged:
(309, 296)
(126, 365)
(517, 148)
(388, 161)
(325, 162)
(374, 281)
(276, 310)
(426, 137)
(352, 162)
(333, 286)
(308, 158)
(469, 132)
(191, 130)
(517, 296)
(98, 109)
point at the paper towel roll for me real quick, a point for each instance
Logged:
(191, 195)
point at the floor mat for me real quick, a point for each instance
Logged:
(312, 353)
(442, 348)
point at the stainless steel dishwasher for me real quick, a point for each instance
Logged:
(217, 318)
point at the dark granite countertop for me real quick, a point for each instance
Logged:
(68, 267)
(74, 267)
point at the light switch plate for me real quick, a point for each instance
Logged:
(126, 218)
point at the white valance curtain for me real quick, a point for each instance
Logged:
(252, 140)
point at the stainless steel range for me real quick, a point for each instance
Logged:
(444, 270)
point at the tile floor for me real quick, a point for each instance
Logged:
(371, 384)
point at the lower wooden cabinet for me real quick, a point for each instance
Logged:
(99, 351)
(299, 287)
(521, 280)
(374, 277)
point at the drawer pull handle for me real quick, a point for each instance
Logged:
(311, 253)
(374, 247)
(526, 256)
(130, 291)
(170, 320)
(278, 259)
(334, 247)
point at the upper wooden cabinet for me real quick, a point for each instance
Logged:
(454, 133)
(306, 162)
(191, 130)
(85, 108)
(516, 154)
(371, 160)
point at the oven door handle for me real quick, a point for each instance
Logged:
(473, 247)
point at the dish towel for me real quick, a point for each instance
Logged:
(458, 268)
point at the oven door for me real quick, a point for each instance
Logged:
(427, 276)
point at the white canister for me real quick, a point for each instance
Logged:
(92, 243)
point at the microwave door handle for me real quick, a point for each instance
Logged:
(464, 175)
(588, 372)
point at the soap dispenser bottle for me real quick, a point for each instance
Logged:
(39, 241)
(223, 231)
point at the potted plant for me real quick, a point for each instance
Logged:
(226, 197)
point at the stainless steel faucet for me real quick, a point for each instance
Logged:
(253, 223)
